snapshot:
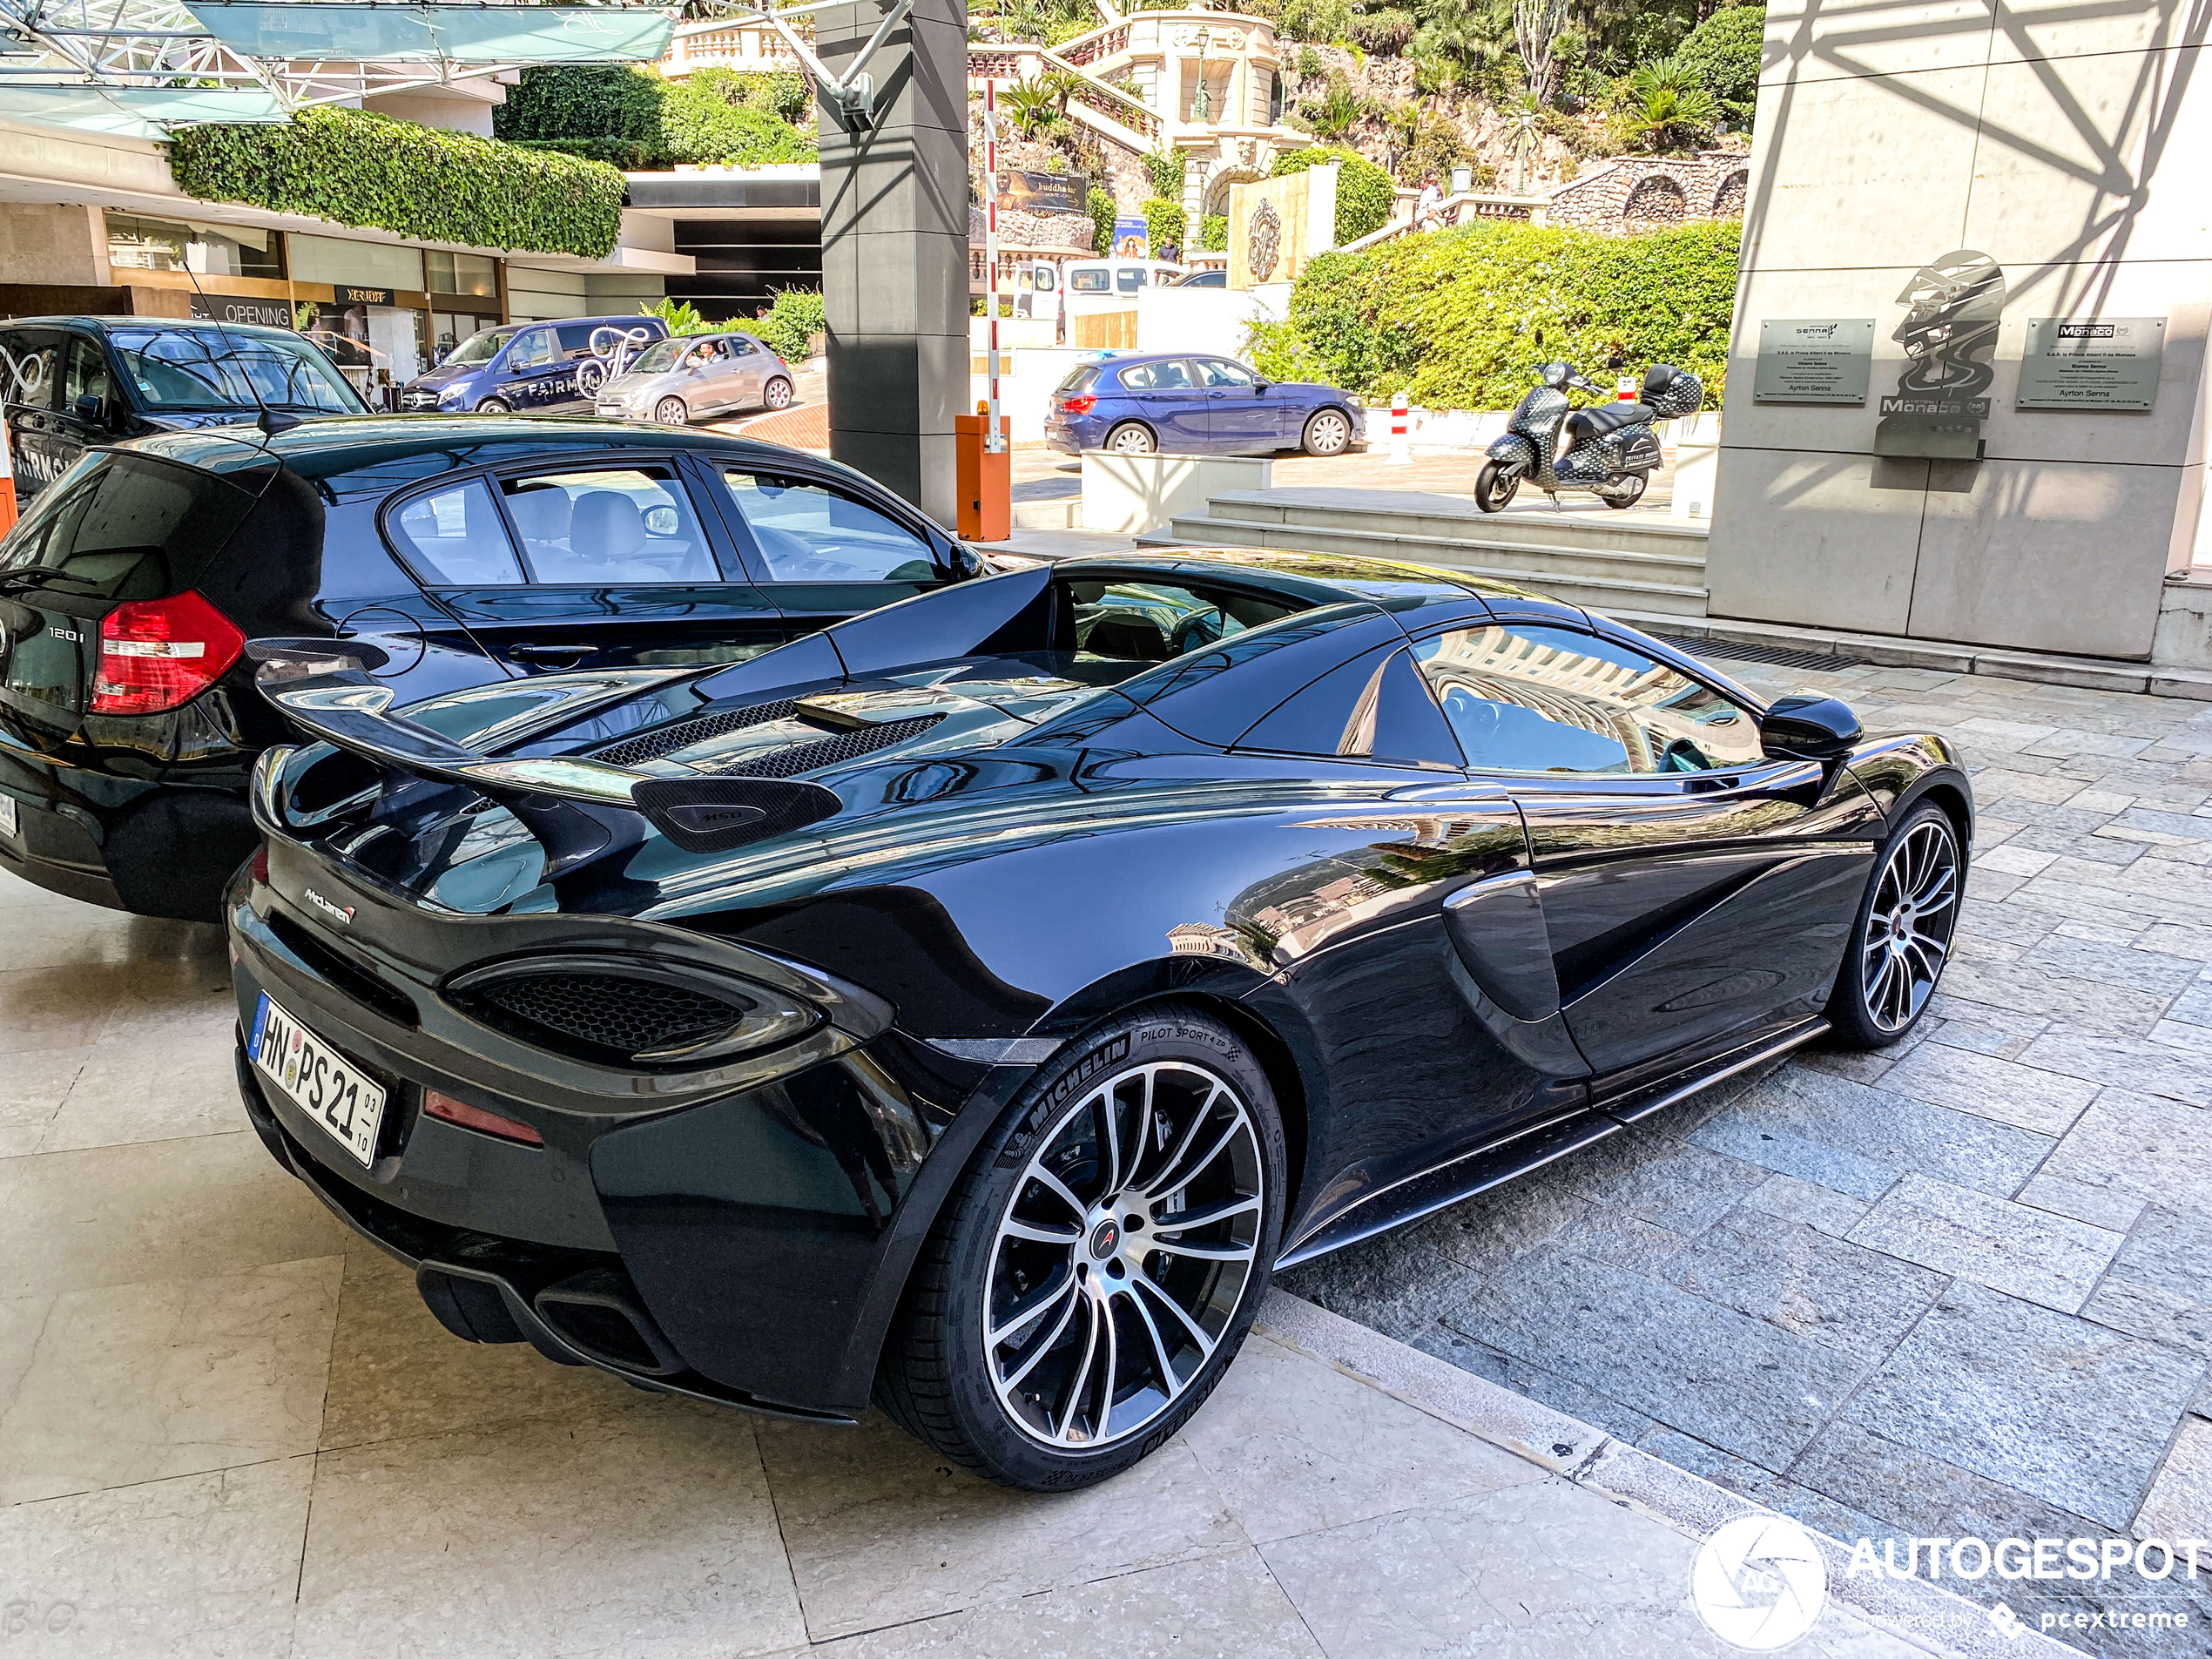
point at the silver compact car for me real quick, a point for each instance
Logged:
(694, 377)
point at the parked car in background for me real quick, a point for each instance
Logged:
(1215, 279)
(532, 368)
(67, 383)
(971, 1005)
(461, 553)
(1096, 279)
(695, 377)
(1191, 404)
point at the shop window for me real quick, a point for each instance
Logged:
(136, 243)
(470, 273)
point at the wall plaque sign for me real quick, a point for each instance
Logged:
(1825, 360)
(2091, 363)
(352, 296)
(1953, 305)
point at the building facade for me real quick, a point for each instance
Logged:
(2006, 204)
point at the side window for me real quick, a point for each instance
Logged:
(530, 350)
(1219, 371)
(576, 339)
(615, 524)
(741, 347)
(1374, 707)
(1151, 622)
(1526, 698)
(88, 375)
(31, 368)
(453, 538)
(1128, 278)
(1092, 281)
(1173, 375)
(1047, 279)
(806, 532)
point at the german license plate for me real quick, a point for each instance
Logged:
(317, 1079)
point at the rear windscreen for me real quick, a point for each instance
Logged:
(124, 527)
(1078, 380)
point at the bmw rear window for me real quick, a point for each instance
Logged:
(126, 526)
(1079, 380)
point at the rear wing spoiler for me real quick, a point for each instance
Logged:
(328, 693)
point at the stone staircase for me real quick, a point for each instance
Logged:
(1628, 564)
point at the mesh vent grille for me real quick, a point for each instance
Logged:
(1778, 655)
(652, 745)
(607, 1012)
(830, 751)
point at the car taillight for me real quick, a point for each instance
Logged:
(158, 654)
(1078, 405)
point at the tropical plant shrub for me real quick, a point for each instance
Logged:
(1463, 318)
(1364, 190)
(1213, 233)
(678, 316)
(793, 319)
(1165, 168)
(1722, 55)
(357, 168)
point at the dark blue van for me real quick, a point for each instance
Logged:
(532, 367)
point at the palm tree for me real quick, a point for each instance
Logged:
(1673, 109)
(1033, 109)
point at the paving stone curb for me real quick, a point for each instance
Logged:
(1592, 1459)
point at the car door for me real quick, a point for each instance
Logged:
(33, 362)
(530, 371)
(1695, 893)
(821, 552)
(597, 563)
(1172, 403)
(1240, 415)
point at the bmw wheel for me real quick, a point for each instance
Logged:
(1903, 936)
(1495, 485)
(1130, 438)
(1327, 433)
(671, 411)
(1100, 1262)
(494, 406)
(777, 394)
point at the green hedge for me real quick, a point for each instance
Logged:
(1165, 224)
(1103, 215)
(631, 116)
(1213, 233)
(356, 168)
(1364, 190)
(1463, 319)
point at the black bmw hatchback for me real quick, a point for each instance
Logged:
(975, 1002)
(453, 552)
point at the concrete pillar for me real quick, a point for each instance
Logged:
(894, 250)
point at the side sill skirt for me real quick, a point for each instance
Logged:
(1632, 1110)
(1473, 1173)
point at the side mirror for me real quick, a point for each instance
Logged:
(1259, 387)
(1806, 727)
(89, 408)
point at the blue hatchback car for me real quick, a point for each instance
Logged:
(1187, 404)
(531, 367)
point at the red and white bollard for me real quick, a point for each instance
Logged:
(1401, 450)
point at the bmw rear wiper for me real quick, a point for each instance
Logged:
(29, 580)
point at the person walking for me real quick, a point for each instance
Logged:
(1428, 208)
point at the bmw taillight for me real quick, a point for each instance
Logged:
(159, 654)
(1079, 404)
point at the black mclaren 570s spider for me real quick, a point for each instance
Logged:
(969, 1007)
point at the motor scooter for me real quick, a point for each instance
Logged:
(1609, 449)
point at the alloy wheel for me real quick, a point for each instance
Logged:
(1129, 440)
(1910, 924)
(777, 394)
(1120, 1261)
(671, 411)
